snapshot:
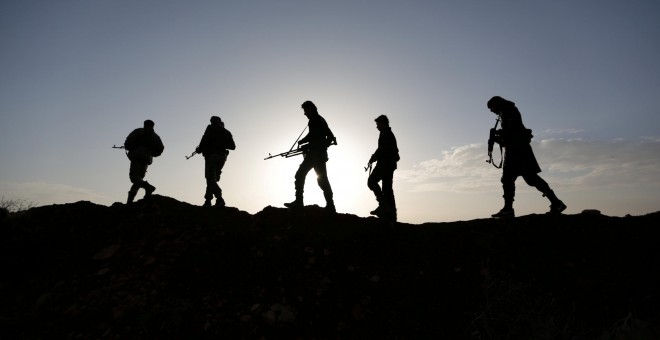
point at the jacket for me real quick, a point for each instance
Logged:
(143, 145)
(216, 140)
(387, 151)
(319, 137)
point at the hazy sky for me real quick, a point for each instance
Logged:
(79, 76)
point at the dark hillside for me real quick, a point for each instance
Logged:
(166, 269)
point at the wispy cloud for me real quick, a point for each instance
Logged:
(569, 163)
(462, 168)
(557, 132)
(48, 193)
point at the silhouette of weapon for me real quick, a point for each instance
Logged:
(303, 148)
(192, 154)
(300, 150)
(492, 139)
(121, 147)
(368, 168)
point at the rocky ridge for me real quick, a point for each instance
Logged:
(160, 268)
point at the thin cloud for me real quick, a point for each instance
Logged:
(49, 193)
(460, 169)
(569, 163)
(563, 131)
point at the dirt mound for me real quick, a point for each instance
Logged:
(161, 268)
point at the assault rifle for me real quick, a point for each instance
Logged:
(121, 147)
(192, 154)
(303, 148)
(299, 151)
(493, 138)
(368, 167)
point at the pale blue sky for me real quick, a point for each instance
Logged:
(78, 76)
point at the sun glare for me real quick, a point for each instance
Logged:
(347, 178)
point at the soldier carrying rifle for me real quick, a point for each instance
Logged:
(142, 145)
(215, 145)
(316, 142)
(519, 159)
(386, 156)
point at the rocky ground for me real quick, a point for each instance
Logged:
(165, 269)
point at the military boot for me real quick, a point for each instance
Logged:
(556, 205)
(329, 202)
(506, 211)
(297, 203)
(149, 189)
(379, 210)
(131, 196)
(330, 206)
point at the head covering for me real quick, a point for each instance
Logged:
(382, 119)
(149, 124)
(498, 102)
(216, 120)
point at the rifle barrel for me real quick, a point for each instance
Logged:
(287, 154)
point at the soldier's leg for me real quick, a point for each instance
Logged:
(299, 183)
(210, 174)
(132, 192)
(388, 191)
(301, 176)
(534, 180)
(218, 171)
(148, 188)
(372, 181)
(509, 187)
(136, 174)
(323, 182)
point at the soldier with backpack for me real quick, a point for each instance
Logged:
(142, 145)
(215, 145)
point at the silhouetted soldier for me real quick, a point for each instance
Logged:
(519, 158)
(317, 141)
(214, 145)
(386, 156)
(143, 144)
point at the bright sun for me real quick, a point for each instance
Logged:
(347, 178)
